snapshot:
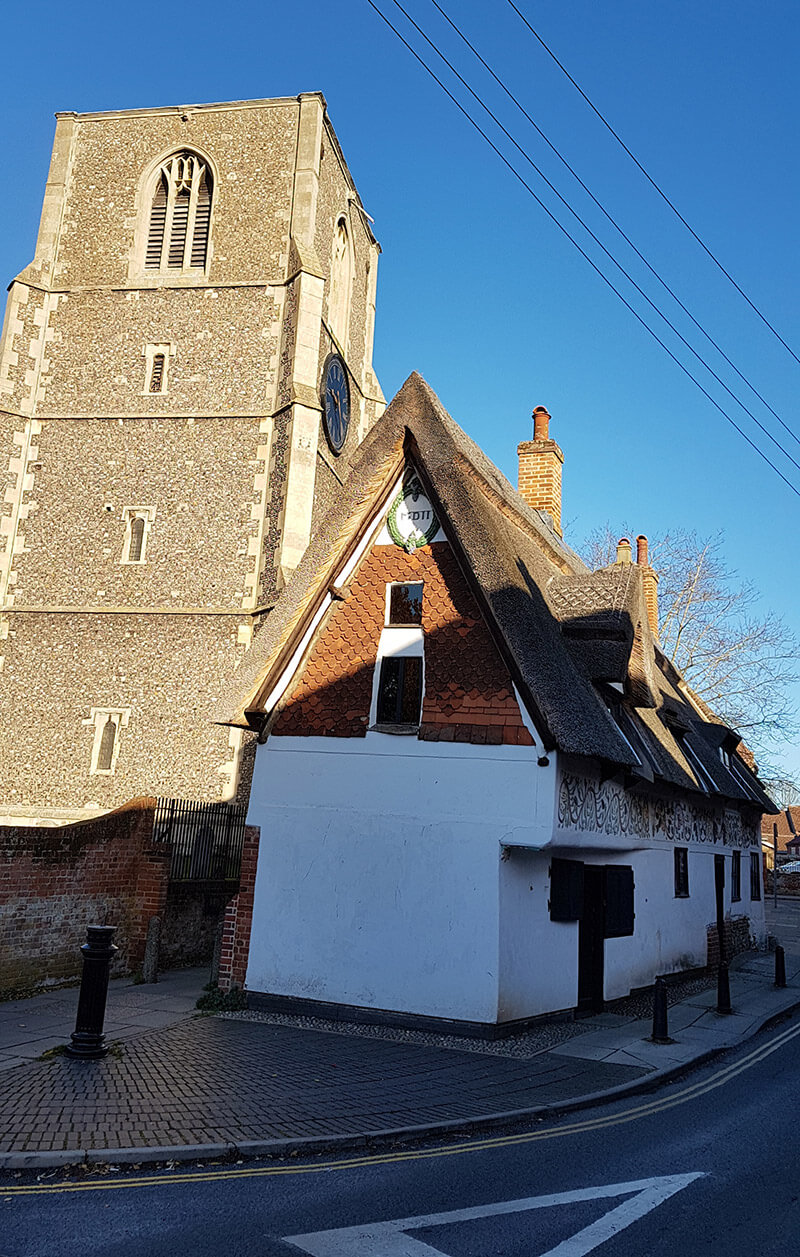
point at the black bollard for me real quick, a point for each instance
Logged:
(723, 990)
(88, 1040)
(780, 967)
(660, 1031)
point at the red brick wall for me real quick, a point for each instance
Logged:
(239, 917)
(469, 695)
(737, 939)
(55, 882)
(788, 883)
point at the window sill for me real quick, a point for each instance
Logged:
(682, 894)
(406, 731)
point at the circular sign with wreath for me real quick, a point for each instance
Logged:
(412, 520)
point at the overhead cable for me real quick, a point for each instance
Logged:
(581, 250)
(653, 184)
(598, 241)
(613, 221)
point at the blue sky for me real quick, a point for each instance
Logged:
(478, 290)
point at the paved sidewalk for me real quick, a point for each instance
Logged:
(29, 1027)
(207, 1086)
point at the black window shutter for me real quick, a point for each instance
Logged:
(566, 890)
(619, 900)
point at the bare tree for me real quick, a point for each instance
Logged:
(783, 790)
(740, 660)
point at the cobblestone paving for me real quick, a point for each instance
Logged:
(524, 1045)
(208, 1080)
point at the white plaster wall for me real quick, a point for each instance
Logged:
(377, 882)
(538, 957)
(671, 934)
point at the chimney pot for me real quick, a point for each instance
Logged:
(649, 583)
(624, 551)
(541, 424)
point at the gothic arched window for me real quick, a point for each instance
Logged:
(180, 215)
(341, 283)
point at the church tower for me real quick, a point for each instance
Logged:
(185, 374)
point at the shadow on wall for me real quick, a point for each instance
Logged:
(55, 882)
(468, 691)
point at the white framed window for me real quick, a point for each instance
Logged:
(399, 680)
(138, 521)
(404, 604)
(176, 232)
(106, 722)
(156, 368)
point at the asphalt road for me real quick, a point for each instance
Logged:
(705, 1166)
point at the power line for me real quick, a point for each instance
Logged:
(653, 184)
(581, 250)
(613, 221)
(597, 240)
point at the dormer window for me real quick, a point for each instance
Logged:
(179, 216)
(627, 725)
(677, 726)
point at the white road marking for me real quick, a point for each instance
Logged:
(389, 1239)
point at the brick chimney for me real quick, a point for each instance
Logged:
(650, 582)
(540, 463)
(624, 553)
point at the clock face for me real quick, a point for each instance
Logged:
(335, 402)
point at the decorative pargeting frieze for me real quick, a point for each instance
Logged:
(680, 822)
(606, 808)
(601, 806)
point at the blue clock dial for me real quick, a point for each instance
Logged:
(335, 402)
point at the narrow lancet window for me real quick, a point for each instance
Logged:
(137, 540)
(105, 755)
(157, 374)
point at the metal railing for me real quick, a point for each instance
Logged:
(206, 838)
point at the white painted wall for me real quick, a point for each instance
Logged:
(538, 957)
(668, 933)
(671, 934)
(377, 882)
(381, 883)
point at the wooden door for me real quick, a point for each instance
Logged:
(591, 941)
